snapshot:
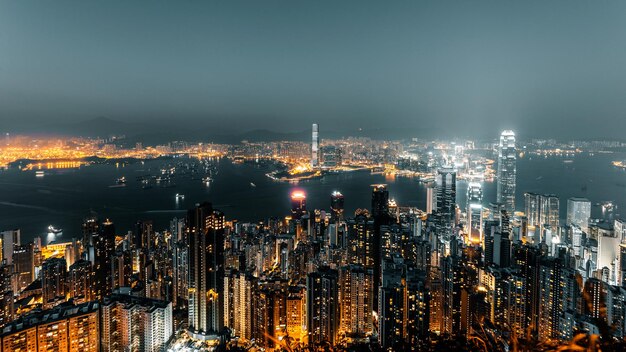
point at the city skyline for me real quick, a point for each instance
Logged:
(386, 276)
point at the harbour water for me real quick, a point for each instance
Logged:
(63, 198)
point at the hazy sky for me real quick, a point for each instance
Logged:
(544, 67)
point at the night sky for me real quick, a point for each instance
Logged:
(451, 68)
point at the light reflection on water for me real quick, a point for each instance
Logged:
(64, 199)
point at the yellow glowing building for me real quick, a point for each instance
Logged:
(62, 329)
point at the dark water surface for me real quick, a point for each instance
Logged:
(64, 197)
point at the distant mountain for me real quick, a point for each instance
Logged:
(97, 127)
(267, 135)
(157, 132)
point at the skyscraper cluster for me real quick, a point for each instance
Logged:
(387, 276)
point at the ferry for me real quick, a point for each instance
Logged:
(52, 229)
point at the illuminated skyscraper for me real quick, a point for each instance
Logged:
(550, 211)
(336, 206)
(532, 208)
(298, 204)
(315, 143)
(431, 197)
(8, 241)
(380, 201)
(542, 211)
(205, 233)
(445, 186)
(475, 211)
(507, 171)
(578, 212)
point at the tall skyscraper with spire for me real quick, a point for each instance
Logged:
(507, 170)
(315, 145)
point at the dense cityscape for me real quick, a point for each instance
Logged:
(299, 176)
(483, 274)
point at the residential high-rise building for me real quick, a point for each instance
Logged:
(323, 306)
(552, 297)
(7, 308)
(356, 301)
(296, 312)
(239, 288)
(381, 216)
(578, 212)
(527, 261)
(65, 328)
(391, 310)
(416, 307)
(205, 233)
(507, 171)
(121, 269)
(104, 248)
(82, 281)
(53, 281)
(180, 268)
(24, 264)
(131, 323)
(360, 240)
(315, 144)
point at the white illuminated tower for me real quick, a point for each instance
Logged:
(475, 211)
(579, 212)
(315, 143)
(507, 171)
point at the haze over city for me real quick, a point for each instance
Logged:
(409, 68)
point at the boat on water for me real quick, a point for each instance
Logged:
(121, 181)
(39, 173)
(52, 229)
(252, 184)
(179, 196)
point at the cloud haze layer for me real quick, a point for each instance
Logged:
(417, 67)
